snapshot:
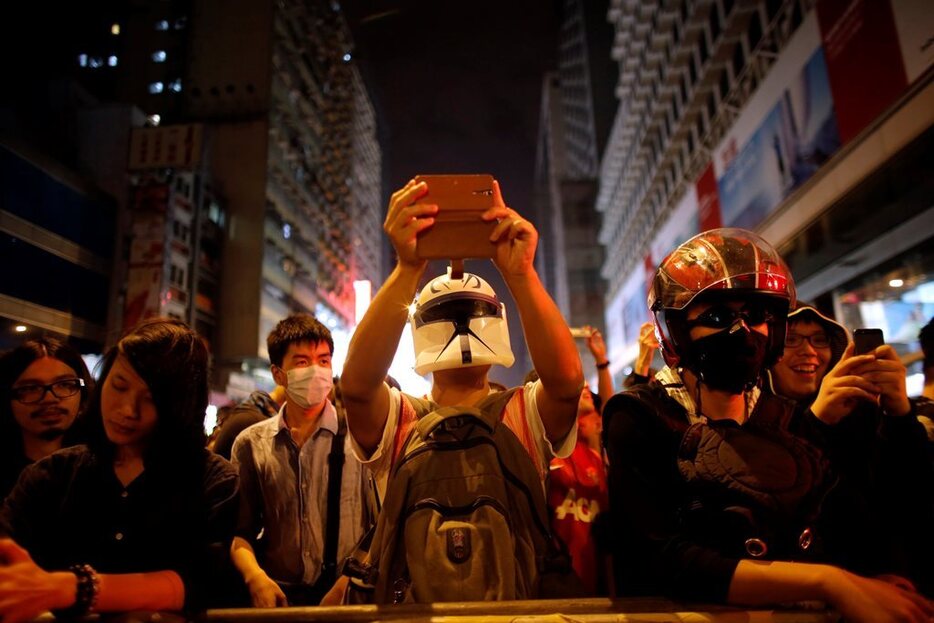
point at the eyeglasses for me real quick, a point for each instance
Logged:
(816, 340)
(724, 316)
(31, 394)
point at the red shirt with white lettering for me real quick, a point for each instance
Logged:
(577, 492)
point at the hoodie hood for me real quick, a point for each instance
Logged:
(836, 332)
(839, 336)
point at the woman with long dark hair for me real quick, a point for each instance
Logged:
(134, 519)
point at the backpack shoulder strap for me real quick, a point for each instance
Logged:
(335, 475)
(493, 405)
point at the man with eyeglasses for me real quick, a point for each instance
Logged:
(820, 370)
(814, 344)
(43, 388)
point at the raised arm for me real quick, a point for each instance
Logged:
(597, 348)
(374, 343)
(551, 346)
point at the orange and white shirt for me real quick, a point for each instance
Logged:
(520, 415)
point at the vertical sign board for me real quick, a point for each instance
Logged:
(147, 254)
(614, 337)
(624, 315)
(683, 223)
(914, 22)
(169, 146)
(648, 268)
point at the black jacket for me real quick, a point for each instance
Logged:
(680, 521)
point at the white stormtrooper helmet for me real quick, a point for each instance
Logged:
(459, 323)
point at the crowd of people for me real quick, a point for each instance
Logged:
(767, 462)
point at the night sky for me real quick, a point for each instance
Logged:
(458, 84)
(458, 87)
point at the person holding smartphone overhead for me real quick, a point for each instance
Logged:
(459, 332)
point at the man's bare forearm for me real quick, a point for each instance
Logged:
(552, 350)
(371, 352)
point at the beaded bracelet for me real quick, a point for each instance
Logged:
(88, 589)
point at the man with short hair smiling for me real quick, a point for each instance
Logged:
(814, 344)
(820, 371)
(284, 477)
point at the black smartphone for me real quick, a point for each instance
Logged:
(867, 340)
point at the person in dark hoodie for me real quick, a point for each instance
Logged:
(864, 434)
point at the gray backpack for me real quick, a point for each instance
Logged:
(464, 516)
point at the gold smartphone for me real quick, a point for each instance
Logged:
(458, 231)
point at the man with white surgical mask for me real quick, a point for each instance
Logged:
(288, 465)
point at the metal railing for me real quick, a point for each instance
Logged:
(594, 610)
(590, 610)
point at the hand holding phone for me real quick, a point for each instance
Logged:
(887, 372)
(867, 340)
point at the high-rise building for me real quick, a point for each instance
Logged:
(807, 121)
(575, 118)
(295, 155)
(63, 172)
(284, 187)
(56, 248)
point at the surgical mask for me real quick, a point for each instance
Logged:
(308, 386)
(730, 360)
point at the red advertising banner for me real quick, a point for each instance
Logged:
(708, 201)
(864, 60)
